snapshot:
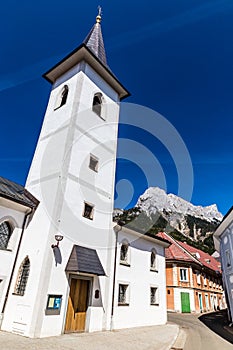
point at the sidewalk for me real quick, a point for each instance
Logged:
(143, 338)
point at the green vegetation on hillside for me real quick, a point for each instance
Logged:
(155, 223)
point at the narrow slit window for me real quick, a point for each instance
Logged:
(94, 163)
(5, 234)
(22, 278)
(97, 104)
(123, 294)
(153, 260)
(124, 253)
(62, 97)
(154, 296)
(228, 258)
(88, 211)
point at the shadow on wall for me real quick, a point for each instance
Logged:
(218, 323)
(57, 255)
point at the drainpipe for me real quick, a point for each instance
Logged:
(13, 268)
(114, 274)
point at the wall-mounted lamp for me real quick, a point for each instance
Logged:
(58, 239)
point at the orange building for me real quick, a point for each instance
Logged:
(194, 279)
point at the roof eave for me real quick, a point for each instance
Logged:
(32, 206)
(226, 221)
(150, 237)
(84, 53)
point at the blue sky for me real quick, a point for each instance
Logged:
(174, 56)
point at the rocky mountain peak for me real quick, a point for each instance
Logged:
(155, 199)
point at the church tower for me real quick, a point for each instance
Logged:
(69, 243)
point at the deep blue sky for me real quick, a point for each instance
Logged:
(174, 56)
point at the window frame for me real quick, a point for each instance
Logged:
(2, 234)
(198, 277)
(154, 297)
(22, 277)
(125, 295)
(184, 269)
(153, 265)
(125, 260)
(62, 97)
(91, 215)
(98, 108)
(228, 258)
(96, 167)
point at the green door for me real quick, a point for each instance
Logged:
(185, 302)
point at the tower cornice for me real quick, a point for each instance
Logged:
(83, 53)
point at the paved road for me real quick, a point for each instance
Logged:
(199, 336)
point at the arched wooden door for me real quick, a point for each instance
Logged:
(77, 305)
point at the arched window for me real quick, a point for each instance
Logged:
(62, 97)
(22, 277)
(124, 254)
(97, 104)
(5, 233)
(153, 260)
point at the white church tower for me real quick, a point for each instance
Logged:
(69, 243)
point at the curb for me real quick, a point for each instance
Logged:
(180, 340)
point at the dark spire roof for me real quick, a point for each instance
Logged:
(94, 40)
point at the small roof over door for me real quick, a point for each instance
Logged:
(84, 260)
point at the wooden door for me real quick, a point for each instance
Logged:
(77, 305)
(185, 302)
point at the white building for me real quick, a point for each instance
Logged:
(94, 276)
(17, 207)
(223, 240)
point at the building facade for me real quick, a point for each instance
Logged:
(17, 207)
(223, 241)
(80, 277)
(194, 280)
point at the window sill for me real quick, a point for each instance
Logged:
(85, 217)
(153, 269)
(18, 294)
(125, 263)
(156, 304)
(6, 249)
(185, 281)
(123, 304)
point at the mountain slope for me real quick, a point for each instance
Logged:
(159, 211)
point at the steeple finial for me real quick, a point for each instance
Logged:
(98, 17)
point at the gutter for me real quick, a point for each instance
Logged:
(14, 264)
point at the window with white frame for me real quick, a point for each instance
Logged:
(124, 253)
(205, 280)
(88, 211)
(198, 275)
(5, 234)
(62, 97)
(154, 299)
(183, 274)
(153, 262)
(93, 163)
(123, 294)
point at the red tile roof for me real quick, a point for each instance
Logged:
(182, 251)
(206, 259)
